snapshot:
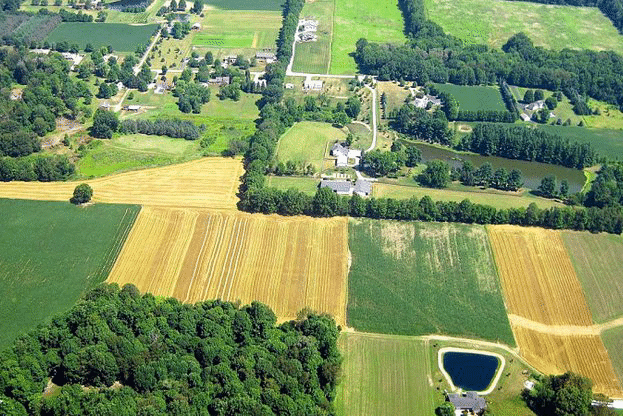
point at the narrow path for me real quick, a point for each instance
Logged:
(564, 330)
(373, 145)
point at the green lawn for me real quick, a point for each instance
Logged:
(424, 278)
(50, 254)
(315, 57)
(384, 375)
(304, 184)
(613, 341)
(307, 142)
(122, 37)
(597, 262)
(375, 20)
(475, 98)
(554, 27)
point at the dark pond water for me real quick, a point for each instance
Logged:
(531, 172)
(470, 371)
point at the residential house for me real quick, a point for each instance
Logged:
(345, 187)
(344, 154)
(537, 105)
(469, 401)
(220, 81)
(267, 57)
(312, 85)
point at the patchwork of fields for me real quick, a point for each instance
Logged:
(207, 182)
(193, 255)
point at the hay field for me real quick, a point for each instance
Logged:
(554, 354)
(597, 262)
(207, 183)
(193, 255)
(537, 276)
(384, 375)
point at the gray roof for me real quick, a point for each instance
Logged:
(470, 400)
(363, 186)
(265, 55)
(337, 186)
(338, 148)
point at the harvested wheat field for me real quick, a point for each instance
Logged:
(205, 183)
(193, 255)
(538, 279)
(583, 354)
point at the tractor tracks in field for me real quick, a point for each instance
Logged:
(564, 330)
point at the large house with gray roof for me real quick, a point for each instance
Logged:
(343, 187)
(469, 401)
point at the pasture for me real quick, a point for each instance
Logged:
(207, 182)
(308, 142)
(193, 255)
(50, 254)
(122, 37)
(315, 57)
(375, 20)
(597, 261)
(384, 375)
(424, 278)
(583, 354)
(554, 27)
(474, 98)
(537, 276)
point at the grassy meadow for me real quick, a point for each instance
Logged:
(597, 262)
(375, 20)
(245, 4)
(384, 375)
(606, 142)
(315, 57)
(475, 98)
(424, 278)
(304, 184)
(122, 37)
(613, 341)
(554, 27)
(50, 254)
(308, 142)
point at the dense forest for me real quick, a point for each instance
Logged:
(430, 55)
(117, 352)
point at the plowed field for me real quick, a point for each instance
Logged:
(206, 183)
(553, 354)
(538, 279)
(193, 255)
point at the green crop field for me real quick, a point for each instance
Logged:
(384, 375)
(315, 57)
(423, 278)
(122, 37)
(307, 142)
(474, 98)
(50, 254)
(554, 27)
(608, 143)
(238, 30)
(375, 20)
(245, 4)
(597, 261)
(613, 341)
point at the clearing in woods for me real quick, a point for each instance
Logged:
(424, 278)
(50, 254)
(554, 354)
(474, 98)
(204, 183)
(537, 276)
(194, 255)
(597, 262)
(384, 375)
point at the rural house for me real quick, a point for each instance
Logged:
(312, 85)
(469, 401)
(344, 187)
(537, 105)
(220, 81)
(423, 101)
(343, 154)
(267, 57)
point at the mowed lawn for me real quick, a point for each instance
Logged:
(424, 278)
(596, 259)
(315, 57)
(384, 375)
(50, 254)
(474, 98)
(307, 142)
(375, 20)
(122, 37)
(554, 27)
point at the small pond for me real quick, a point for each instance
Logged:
(531, 172)
(470, 371)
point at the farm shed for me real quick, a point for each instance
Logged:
(339, 187)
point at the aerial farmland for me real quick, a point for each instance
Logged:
(328, 207)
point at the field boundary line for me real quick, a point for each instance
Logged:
(565, 330)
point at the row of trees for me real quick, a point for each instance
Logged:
(182, 129)
(171, 358)
(438, 174)
(44, 168)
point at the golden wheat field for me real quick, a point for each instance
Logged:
(554, 354)
(191, 254)
(537, 276)
(207, 182)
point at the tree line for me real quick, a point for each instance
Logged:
(171, 358)
(44, 168)
(176, 128)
